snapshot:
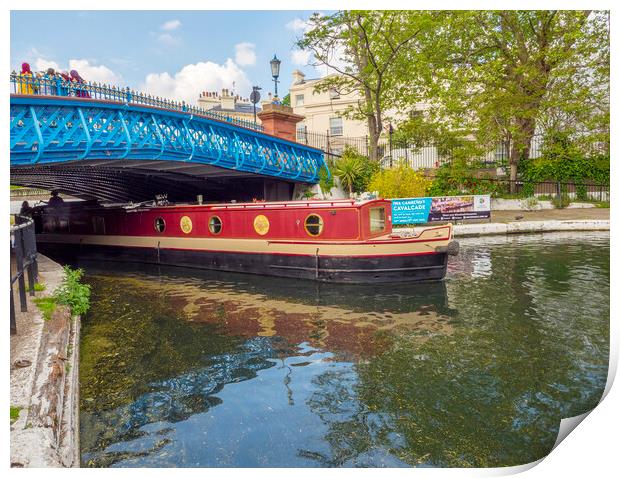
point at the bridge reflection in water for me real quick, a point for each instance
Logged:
(198, 368)
(120, 145)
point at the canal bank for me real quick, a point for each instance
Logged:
(44, 381)
(526, 222)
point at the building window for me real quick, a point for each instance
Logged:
(302, 135)
(335, 126)
(377, 219)
(314, 225)
(299, 100)
(215, 225)
(160, 224)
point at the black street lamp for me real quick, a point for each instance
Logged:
(275, 71)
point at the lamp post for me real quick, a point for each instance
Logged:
(275, 72)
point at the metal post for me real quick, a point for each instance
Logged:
(391, 131)
(34, 258)
(28, 247)
(13, 323)
(19, 264)
(327, 145)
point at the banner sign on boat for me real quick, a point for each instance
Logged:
(445, 208)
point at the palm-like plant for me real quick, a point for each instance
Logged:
(349, 169)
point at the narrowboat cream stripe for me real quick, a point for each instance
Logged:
(257, 246)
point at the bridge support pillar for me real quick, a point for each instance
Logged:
(280, 121)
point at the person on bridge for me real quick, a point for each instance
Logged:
(76, 78)
(50, 82)
(64, 85)
(26, 80)
(55, 200)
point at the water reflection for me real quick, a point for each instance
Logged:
(188, 368)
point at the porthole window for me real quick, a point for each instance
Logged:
(314, 225)
(160, 224)
(215, 225)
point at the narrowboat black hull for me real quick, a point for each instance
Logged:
(336, 269)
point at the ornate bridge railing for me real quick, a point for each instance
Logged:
(57, 86)
(48, 129)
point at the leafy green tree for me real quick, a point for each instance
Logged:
(506, 74)
(286, 101)
(366, 50)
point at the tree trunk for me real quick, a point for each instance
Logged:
(520, 148)
(373, 138)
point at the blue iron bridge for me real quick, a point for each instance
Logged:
(97, 141)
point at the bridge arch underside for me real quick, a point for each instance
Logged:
(141, 180)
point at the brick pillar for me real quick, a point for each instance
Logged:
(279, 120)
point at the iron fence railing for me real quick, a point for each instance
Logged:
(429, 155)
(24, 258)
(56, 85)
(561, 191)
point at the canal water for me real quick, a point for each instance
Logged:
(200, 369)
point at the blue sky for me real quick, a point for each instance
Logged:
(168, 53)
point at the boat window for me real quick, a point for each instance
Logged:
(160, 224)
(215, 225)
(314, 224)
(377, 219)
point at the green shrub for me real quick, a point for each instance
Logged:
(326, 180)
(459, 177)
(355, 170)
(39, 287)
(561, 202)
(47, 306)
(400, 182)
(72, 292)
(15, 413)
(562, 160)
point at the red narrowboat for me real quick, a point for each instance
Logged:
(331, 241)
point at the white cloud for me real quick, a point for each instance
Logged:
(41, 64)
(299, 25)
(300, 57)
(187, 84)
(98, 73)
(171, 25)
(88, 71)
(244, 54)
(168, 39)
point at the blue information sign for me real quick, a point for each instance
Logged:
(410, 211)
(446, 208)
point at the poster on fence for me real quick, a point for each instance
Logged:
(445, 208)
